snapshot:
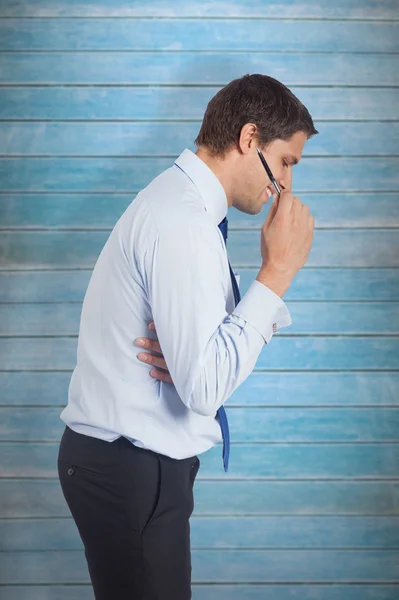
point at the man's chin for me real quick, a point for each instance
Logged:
(255, 209)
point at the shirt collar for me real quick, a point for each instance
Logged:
(206, 182)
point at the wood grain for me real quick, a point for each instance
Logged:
(180, 102)
(346, 9)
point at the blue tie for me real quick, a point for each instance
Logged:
(224, 425)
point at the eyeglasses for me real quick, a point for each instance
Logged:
(268, 171)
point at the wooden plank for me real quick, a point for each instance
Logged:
(64, 592)
(224, 532)
(117, 174)
(282, 498)
(214, 68)
(338, 210)
(346, 9)
(349, 248)
(347, 318)
(142, 138)
(293, 425)
(29, 498)
(47, 286)
(197, 34)
(259, 389)
(181, 103)
(80, 249)
(223, 592)
(248, 461)
(101, 211)
(310, 283)
(284, 353)
(223, 566)
(255, 425)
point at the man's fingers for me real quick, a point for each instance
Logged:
(149, 344)
(155, 346)
(286, 201)
(150, 359)
(161, 376)
(161, 371)
(272, 211)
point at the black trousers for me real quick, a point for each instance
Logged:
(132, 510)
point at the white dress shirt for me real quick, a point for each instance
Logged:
(166, 261)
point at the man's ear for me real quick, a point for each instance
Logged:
(247, 138)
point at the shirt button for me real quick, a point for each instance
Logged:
(71, 471)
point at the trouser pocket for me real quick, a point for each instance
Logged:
(194, 470)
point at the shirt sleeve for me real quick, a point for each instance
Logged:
(209, 352)
(252, 310)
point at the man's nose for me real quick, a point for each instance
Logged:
(285, 183)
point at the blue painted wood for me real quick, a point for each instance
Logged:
(224, 532)
(337, 284)
(56, 592)
(80, 249)
(29, 498)
(178, 103)
(285, 353)
(306, 425)
(215, 68)
(223, 566)
(248, 461)
(346, 248)
(296, 565)
(138, 139)
(308, 318)
(198, 34)
(310, 283)
(42, 286)
(339, 210)
(317, 389)
(345, 9)
(223, 592)
(293, 497)
(113, 175)
(311, 405)
(101, 211)
(259, 389)
(258, 425)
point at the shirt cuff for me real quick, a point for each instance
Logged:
(263, 309)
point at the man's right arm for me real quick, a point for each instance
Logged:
(209, 353)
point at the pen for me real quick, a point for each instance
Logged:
(268, 171)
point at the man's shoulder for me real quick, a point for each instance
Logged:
(174, 201)
(170, 184)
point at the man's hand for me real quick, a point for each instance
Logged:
(154, 359)
(286, 239)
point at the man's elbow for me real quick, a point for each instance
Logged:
(202, 406)
(204, 396)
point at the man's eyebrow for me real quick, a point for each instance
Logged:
(293, 159)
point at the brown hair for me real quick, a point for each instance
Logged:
(259, 99)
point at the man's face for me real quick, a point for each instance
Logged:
(253, 186)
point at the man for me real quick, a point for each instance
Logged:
(128, 456)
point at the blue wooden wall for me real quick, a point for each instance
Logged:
(96, 98)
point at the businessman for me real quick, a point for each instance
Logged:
(128, 457)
